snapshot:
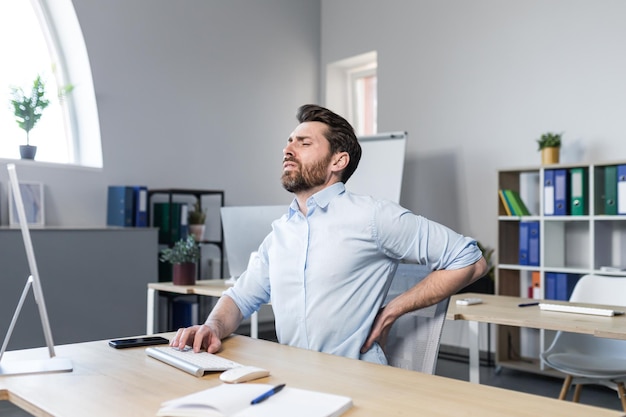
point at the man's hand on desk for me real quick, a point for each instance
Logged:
(199, 337)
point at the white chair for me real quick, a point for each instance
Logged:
(413, 341)
(587, 359)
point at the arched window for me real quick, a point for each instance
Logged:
(43, 38)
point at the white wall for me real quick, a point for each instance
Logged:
(191, 94)
(476, 82)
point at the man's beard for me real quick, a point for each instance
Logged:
(305, 178)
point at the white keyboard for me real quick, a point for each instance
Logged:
(578, 309)
(194, 363)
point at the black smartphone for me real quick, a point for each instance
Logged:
(138, 341)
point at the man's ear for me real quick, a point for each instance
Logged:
(340, 161)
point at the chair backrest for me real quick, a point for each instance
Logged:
(595, 289)
(413, 342)
(600, 289)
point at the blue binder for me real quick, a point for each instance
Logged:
(565, 284)
(140, 206)
(523, 242)
(560, 192)
(550, 281)
(120, 206)
(533, 243)
(184, 312)
(548, 192)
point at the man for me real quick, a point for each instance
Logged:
(328, 263)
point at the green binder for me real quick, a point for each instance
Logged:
(163, 221)
(579, 196)
(610, 190)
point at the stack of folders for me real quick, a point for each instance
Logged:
(529, 243)
(559, 286)
(566, 191)
(513, 203)
(555, 192)
(127, 206)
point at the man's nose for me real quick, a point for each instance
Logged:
(287, 150)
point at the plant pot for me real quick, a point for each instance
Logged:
(28, 151)
(184, 274)
(550, 155)
(197, 230)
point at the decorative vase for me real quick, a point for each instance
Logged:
(550, 155)
(184, 273)
(197, 230)
(28, 151)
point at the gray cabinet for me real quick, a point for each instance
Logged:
(94, 283)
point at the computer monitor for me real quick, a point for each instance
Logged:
(53, 363)
(245, 227)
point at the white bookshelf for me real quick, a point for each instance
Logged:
(575, 244)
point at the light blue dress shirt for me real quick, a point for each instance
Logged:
(328, 273)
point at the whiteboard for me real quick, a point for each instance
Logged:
(379, 173)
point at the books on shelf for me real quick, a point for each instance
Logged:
(232, 400)
(513, 203)
(505, 203)
(127, 206)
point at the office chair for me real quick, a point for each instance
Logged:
(413, 341)
(587, 359)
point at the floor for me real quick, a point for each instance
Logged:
(459, 369)
(599, 396)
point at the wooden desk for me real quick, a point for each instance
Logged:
(498, 309)
(109, 382)
(209, 288)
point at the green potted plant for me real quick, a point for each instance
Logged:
(196, 219)
(550, 147)
(28, 109)
(183, 256)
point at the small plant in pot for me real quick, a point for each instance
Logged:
(28, 108)
(550, 147)
(196, 219)
(183, 256)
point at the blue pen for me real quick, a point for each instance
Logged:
(268, 394)
(527, 304)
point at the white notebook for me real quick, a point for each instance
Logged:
(233, 400)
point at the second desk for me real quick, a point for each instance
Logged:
(505, 310)
(208, 288)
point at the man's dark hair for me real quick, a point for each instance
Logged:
(339, 134)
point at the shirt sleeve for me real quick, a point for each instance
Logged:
(403, 235)
(252, 288)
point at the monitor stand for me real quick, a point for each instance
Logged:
(33, 366)
(52, 363)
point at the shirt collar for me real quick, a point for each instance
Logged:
(321, 198)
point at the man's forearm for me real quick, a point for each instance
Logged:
(225, 317)
(435, 287)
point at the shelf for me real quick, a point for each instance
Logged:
(573, 244)
(184, 195)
